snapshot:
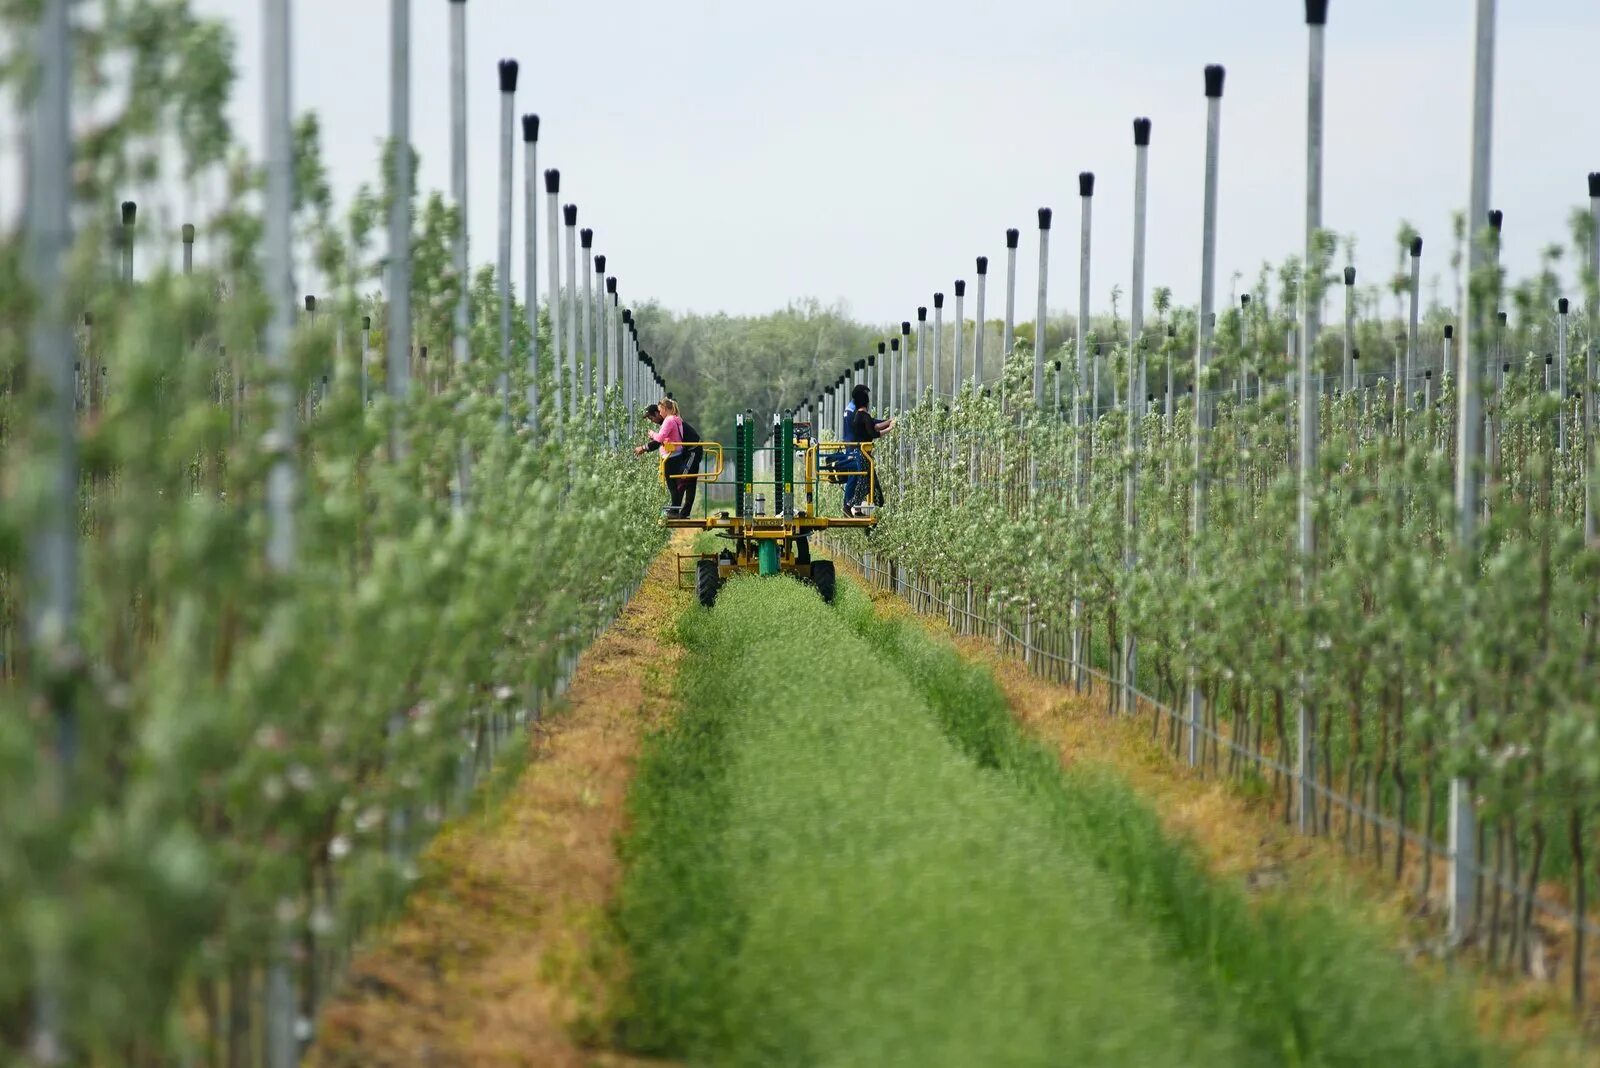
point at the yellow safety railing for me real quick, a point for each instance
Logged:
(711, 448)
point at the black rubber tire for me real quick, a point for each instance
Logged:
(706, 582)
(822, 578)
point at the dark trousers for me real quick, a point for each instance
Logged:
(683, 462)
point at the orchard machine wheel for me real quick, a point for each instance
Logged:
(767, 530)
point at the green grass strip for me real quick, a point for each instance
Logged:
(817, 876)
(1300, 985)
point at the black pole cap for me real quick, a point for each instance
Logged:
(1497, 220)
(1349, 276)
(586, 237)
(872, 360)
(1141, 132)
(1502, 317)
(983, 265)
(961, 287)
(894, 343)
(552, 181)
(611, 284)
(188, 233)
(1416, 247)
(938, 300)
(1449, 331)
(1172, 330)
(1594, 183)
(1505, 368)
(627, 315)
(1244, 300)
(1428, 374)
(424, 353)
(311, 303)
(1316, 12)
(1355, 354)
(130, 212)
(922, 314)
(1086, 184)
(508, 75)
(905, 327)
(1563, 305)
(861, 365)
(1214, 77)
(1549, 359)
(366, 322)
(1011, 237)
(881, 347)
(600, 264)
(530, 128)
(1045, 215)
(569, 214)
(1058, 365)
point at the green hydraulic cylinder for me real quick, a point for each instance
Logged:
(749, 461)
(786, 461)
(738, 465)
(767, 557)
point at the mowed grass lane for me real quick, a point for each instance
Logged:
(845, 853)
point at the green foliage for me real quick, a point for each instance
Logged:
(888, 870)
(260, 755)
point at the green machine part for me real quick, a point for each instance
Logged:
(785, 465)
(738, 464)
(767, 557)
(748, 477)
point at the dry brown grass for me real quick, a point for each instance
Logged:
(506, 953)
(1244, 839)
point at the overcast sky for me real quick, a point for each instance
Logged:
(737, 154)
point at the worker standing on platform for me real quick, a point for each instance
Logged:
(682, 459)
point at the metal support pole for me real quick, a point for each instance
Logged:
(1202, 357)
(1412, 353)
(1591, 508)
(604, 371)
(1086, 197)
(458, 177)
(278, 231)
(130, 216)
(938, 341)
(569, 310)
(1310, 315)
(552, 207)
(51, 574)
(922, 352)
(530, 260)
(366, 358)
(1010, 338)
(586, 242)
(1463, 819)
(901, 403)
(399, 295)
(1349, 329)
(978, 330)
(188, 248)
(1563, 307)
(960, 337)
(508, 97)
(1040, 314)
(1130, 556)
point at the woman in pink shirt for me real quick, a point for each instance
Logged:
(679, 461)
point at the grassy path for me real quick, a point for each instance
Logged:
(507, 954)
(846, 852)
